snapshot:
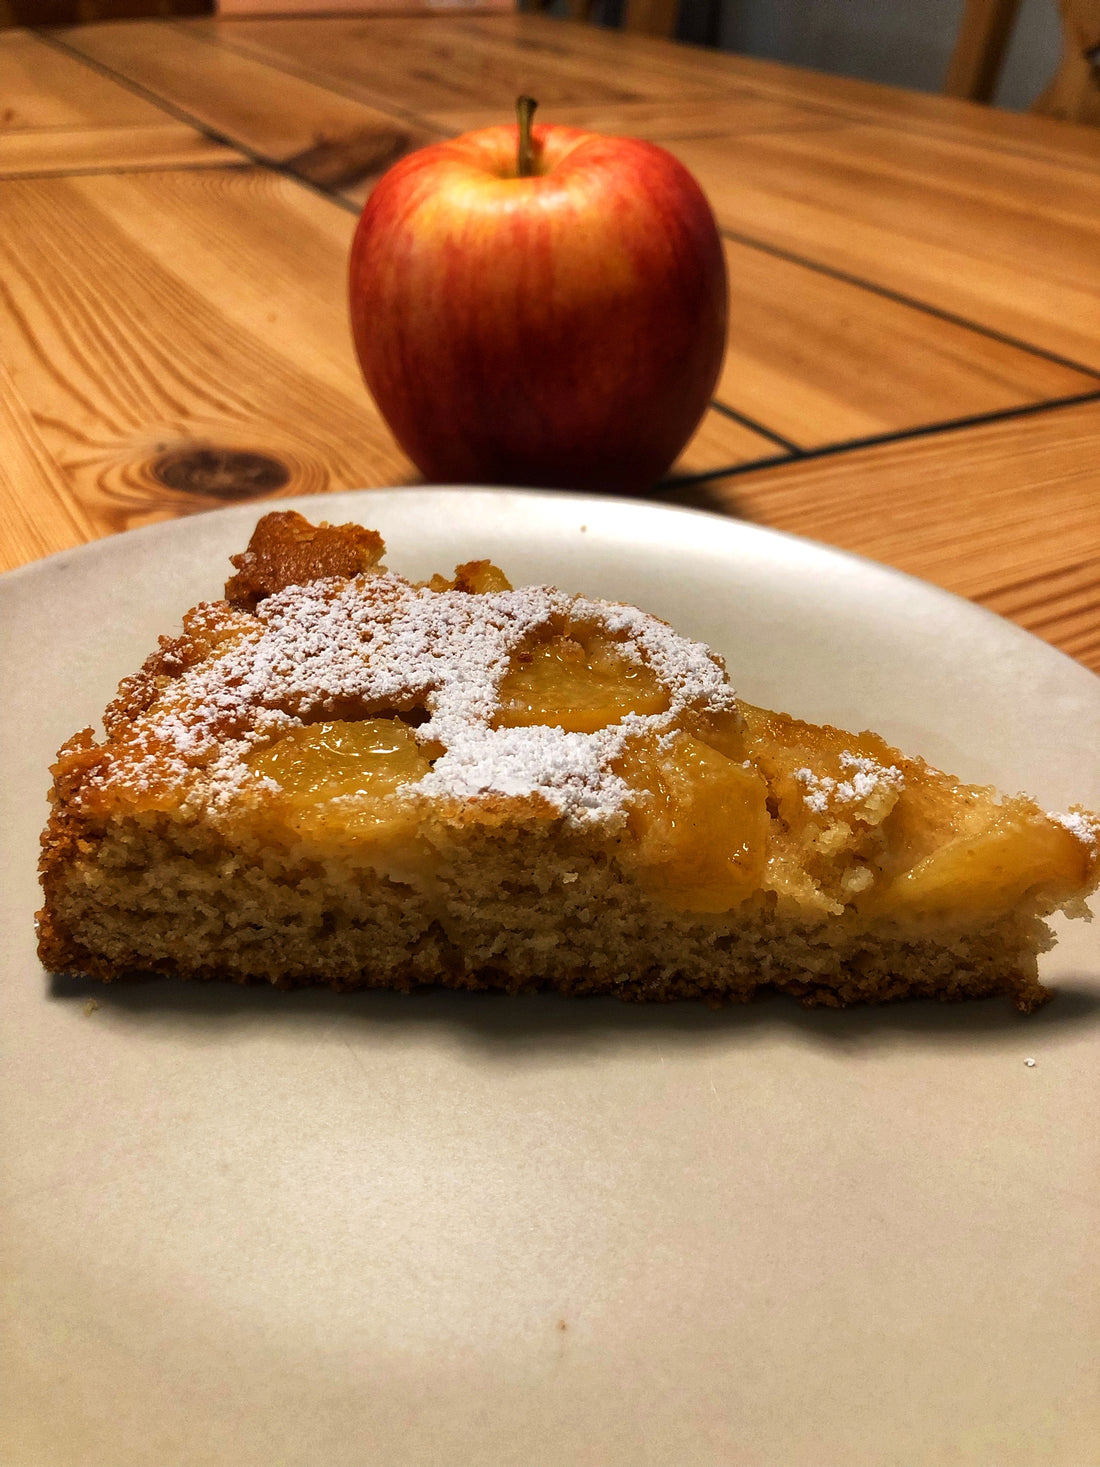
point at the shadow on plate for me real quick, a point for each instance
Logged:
(538, 1023)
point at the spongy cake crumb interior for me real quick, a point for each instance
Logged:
(337, 776)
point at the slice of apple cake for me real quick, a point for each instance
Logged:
(338, 777)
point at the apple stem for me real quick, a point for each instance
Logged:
(525, 152)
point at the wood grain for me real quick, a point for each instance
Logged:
(1002, 241)
(594, 65)
(923, 114)
(212, 338)
(61, 150)
(463, 62)
(39, 513)
(913, 112)
(327, 138)
(736, 112)
(818, 360)
(1061, 605)
(43, 87)
(654, 121)
(620, 57)
(1005, 513)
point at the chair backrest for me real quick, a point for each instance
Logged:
(982, 42)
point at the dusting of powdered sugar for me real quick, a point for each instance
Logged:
(866, 777)
(313, 651)
(570, 769)
(1085, 827)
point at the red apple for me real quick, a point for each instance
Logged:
(561, 328)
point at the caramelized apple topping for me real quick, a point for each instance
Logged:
(580, 684)
(477, 577)
(324, 761)
(987, 872)
(724, 731)
(908, 842)
(700, 828)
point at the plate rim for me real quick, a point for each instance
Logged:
(11, 580)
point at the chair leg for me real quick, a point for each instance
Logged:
(983, 39)
(651, 17)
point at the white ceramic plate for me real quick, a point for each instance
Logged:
(245, 1227)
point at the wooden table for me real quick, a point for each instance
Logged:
(914, 353)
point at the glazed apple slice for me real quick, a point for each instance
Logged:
(580, 683)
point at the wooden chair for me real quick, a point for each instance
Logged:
(1074, 93)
